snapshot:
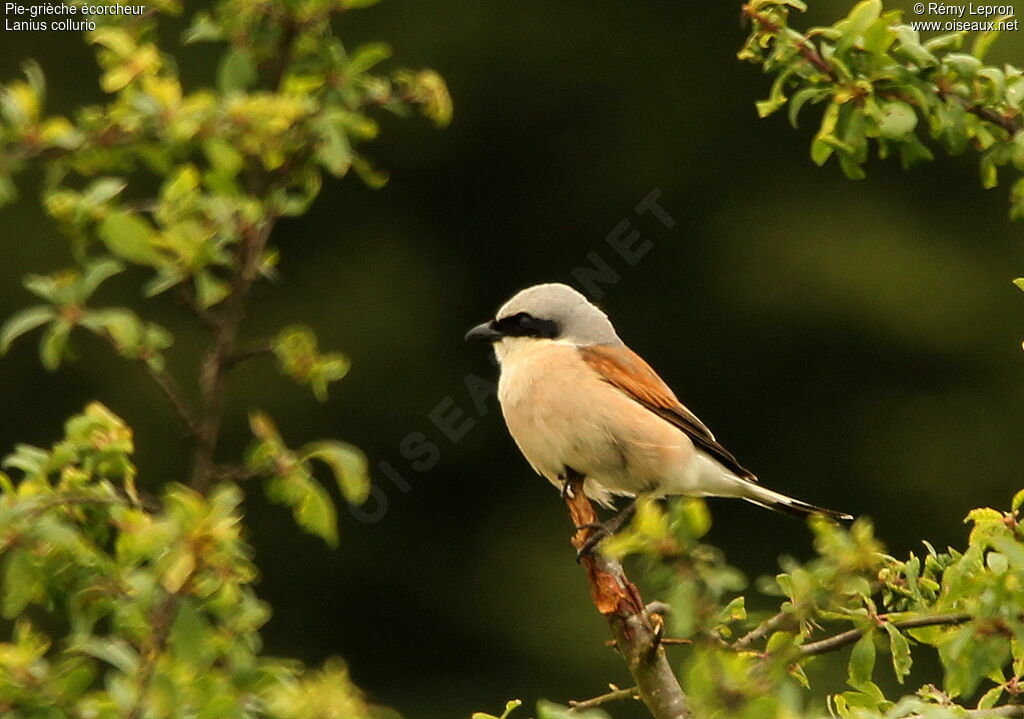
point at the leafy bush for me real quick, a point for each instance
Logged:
(132, 606)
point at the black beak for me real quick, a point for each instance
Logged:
(484, 333)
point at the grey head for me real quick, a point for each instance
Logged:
(548, 311)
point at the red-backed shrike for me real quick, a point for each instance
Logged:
(579, 401)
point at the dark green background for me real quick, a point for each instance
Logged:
(856, 344)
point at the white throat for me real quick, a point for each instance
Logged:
(510, 349)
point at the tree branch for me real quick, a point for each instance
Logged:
(842, 639)
(175, 397)
(171, 390)
(612, 696)
(1007, 710)
(259, 349)
(761, 631)
(637, 634)
(214, 368)
(803, 45)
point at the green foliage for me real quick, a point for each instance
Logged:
(298, 357)
(880, 83)
(131, 606)
(966, 606)
(122, 602)
(290, 476)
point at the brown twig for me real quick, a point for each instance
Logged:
(803, 45)
(612, 696)
(175, 397)
(171, 390)
(761, 631)
(664, 641)
(245, 353)
(215, 365)
(636, 636)
(1008, 710)
(850, 636)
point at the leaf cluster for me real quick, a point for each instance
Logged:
(880, 84)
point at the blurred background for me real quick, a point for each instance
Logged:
(856, 344)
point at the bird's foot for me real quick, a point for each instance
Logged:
(602, 530)
(567, 489)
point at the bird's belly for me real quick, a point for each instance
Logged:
(561, 416)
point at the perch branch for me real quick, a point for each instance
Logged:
(637, 637)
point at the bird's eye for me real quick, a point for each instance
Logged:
(523, 324)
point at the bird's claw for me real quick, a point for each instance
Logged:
(598, 532)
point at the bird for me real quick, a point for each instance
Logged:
(579, 403)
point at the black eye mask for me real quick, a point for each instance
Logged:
(526, 325)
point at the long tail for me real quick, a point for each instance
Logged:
(756, 494)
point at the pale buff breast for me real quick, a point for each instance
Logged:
(561, 413)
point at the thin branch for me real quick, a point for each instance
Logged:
(175, 397)
(1007, 710)
(761, 631)
(850, 636)
(637, 635)
(260, 349)
(234, 473)
(214, 368)
(187, 298)
(612, 696)
(803, 44)
(171, 389)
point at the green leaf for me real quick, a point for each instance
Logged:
(24, 321)
(191, 637)
(550, 710)
(862, 661)
(366, 56)
(347, 463)
(315, 513)
(897, 120)
(114, 651)
(333, 150)
(509, 706)
(103, 190)
(990, 698)
(900, 649)
(913, 152)
(821, 149)
(1018, 498)
(863, 15)
(22, 583)
(236, 72)
(130, 237)
(95, 274)
(210, 290)
(202, 29)
(54, 343)
(801, 98)
(310, 503)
